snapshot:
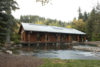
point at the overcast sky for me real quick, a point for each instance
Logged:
(64, 10)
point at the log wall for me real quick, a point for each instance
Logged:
(49, 37)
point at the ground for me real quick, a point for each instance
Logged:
(7, 60)
(97, 43)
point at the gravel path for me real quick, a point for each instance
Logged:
(93, 42)
(94, 49)
(7, 60)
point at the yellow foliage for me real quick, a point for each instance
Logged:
(68, 26)
(54, 24)
(74, 21)
(80, 24)
(80, 20)
(17, 29)
(39, 22)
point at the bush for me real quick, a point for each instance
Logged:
(96, 37)
(15, 38)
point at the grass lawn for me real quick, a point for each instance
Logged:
(70, 63)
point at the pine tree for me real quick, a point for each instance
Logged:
(90, 24)
(80, 14)
(85, 16)
(6, 19)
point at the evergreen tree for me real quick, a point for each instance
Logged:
(80, 14)
(6, 19)
(90, 24)
(85, 16)
(93, 24)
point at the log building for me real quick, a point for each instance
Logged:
(35, 33)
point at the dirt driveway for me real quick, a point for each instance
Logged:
(7, 60)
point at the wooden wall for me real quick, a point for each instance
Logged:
(49, 37)
(52, 37)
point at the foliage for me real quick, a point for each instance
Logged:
(15, 37)
(38, 22)
(85, 17)
(79, 24)
(93, 24)
(3, 27)
(6, 19)
(41, 20)
(80, 14)
(68, 26)
(89, 23)
(86, 22)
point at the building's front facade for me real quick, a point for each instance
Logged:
(33, 33)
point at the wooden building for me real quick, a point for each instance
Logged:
(34, 33)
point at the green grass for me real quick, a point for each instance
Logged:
(70, 63)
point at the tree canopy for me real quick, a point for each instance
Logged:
(41, 20)
(89, 23)
(6, 19)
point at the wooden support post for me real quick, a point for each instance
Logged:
(46, 37)
(58, 41)
(58, 38)
(84, 38)
(38, 37)
(69, 38)
(46, 41)
(22, 35)
(69, 41)
(78, 38)
(29, 39)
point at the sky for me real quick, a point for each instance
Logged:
(64, 10)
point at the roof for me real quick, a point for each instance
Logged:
(53, 29)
